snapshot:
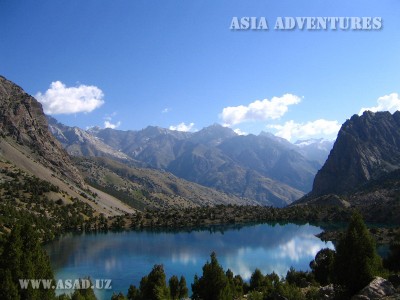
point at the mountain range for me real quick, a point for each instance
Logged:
(116, 172)
(264, 168)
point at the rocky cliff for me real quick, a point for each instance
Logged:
(367, 148)
(24, 125)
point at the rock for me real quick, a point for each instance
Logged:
(376, 289)
(22, 120)
(395, 280)
(367, 147)
(327, 292)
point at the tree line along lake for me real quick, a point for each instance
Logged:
(126, 256)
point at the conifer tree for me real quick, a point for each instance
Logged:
(23, 258)
(257, 280)
(213, 285)
(174, 287)
(392, 262)
(133, 293)
(322, 265)
(154, 286)
(357, 261)
(183, 290)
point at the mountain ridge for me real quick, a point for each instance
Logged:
(367, 147)
(363, 168)
(265, 168)
(23, 123)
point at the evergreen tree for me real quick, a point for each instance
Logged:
(256, 281)
(84, 293)
(23, 258)
(133, 293)
(392, 262)
(174, 287)
(119, 296)
(213, 284)
(196, 288)
(154, 286)
(357, 261)
(322, 265)
(238, 283)
(183, 290)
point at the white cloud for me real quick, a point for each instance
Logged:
(388, 102)
(59, 99)
(166, 110)
(182, 127)
(306, 130)
(296, 249)
(108, 124)
(259, 110)
(240, 132)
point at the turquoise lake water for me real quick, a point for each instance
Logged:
(125, 257)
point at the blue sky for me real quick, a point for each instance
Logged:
(133, 63)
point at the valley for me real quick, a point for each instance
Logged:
(61, 180)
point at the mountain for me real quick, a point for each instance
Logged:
(265, 168)
(23, 127)
(367, 147)
(28, 147)
(315, 149)
(144, 188)
(153, 146)
(30, 152)
(79, 142)
(363, 168)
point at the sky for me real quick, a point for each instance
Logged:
(187, 64)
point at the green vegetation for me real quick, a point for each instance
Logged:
(356, 261)
(23, 258)
(392, 262)
(154, 287)
(26, 198)
(234, 214)
(350, 268)
(322, 266)
(214, 284)
(50, 212)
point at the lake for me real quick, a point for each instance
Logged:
(125, 257)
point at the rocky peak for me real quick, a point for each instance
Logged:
(22, 120)
(213, 134)
(367, 147)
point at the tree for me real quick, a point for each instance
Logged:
(357, 261)
(84, 293)
(392, 262)
(174, 287)
(257, 281)
(24, 258)
(213, 285)
(322, 265)
(183, 290)
(133, 293)
(237, 286)
(299, 278)
(154, 286)
(119, 296)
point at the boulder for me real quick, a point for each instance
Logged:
(327, 292)
(376, 289)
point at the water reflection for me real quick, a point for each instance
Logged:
(125, 257)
